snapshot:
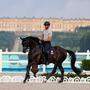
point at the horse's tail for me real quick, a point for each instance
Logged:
(73, 60)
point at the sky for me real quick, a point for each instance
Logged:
(45, 8)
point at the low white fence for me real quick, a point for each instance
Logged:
(85, 55)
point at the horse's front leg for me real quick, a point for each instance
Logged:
(62, 72)
(27, 76)
(34, 69)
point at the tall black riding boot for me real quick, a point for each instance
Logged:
(46, 58)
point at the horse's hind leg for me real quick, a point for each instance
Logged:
(27, 76)
(53, 72)
(62, 72)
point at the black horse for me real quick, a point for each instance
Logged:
(36, 57)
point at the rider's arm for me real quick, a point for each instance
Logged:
(50, 36)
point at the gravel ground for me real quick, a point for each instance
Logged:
(44, 86)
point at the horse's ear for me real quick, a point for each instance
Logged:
(21, 38)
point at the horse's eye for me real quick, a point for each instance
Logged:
(23, 43)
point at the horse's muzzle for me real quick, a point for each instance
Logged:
(24, 49)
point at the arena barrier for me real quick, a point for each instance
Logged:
(42, 79)
(12, 60)
(16, 62)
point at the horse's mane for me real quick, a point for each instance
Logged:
(36, 39)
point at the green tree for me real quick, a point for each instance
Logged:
(85, 42)
(7, 40)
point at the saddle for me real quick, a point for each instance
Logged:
(51, 51)
(47, 54)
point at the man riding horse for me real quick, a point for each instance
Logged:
(35, 54)
(46, 40)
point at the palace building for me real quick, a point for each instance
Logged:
(31, 24)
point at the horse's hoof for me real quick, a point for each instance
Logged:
(24, 81)
(60, 81)
(28, 80)
(44, 81)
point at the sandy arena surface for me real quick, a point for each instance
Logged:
(44, 86)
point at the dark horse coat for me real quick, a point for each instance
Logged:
(36, 57)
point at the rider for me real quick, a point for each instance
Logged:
(46, 37)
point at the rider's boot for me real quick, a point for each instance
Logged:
(46, 59)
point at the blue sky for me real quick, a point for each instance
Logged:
(45, 8)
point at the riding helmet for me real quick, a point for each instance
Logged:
(46, 23)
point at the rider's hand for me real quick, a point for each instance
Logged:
(40, 41)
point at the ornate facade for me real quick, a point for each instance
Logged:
(31, 24)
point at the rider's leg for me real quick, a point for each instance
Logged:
(46, 57)
(46, 52)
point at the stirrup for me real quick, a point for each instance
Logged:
(51, 52)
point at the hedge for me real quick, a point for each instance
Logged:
(85, 65)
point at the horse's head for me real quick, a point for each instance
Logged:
(25, 44)
(29, 43)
